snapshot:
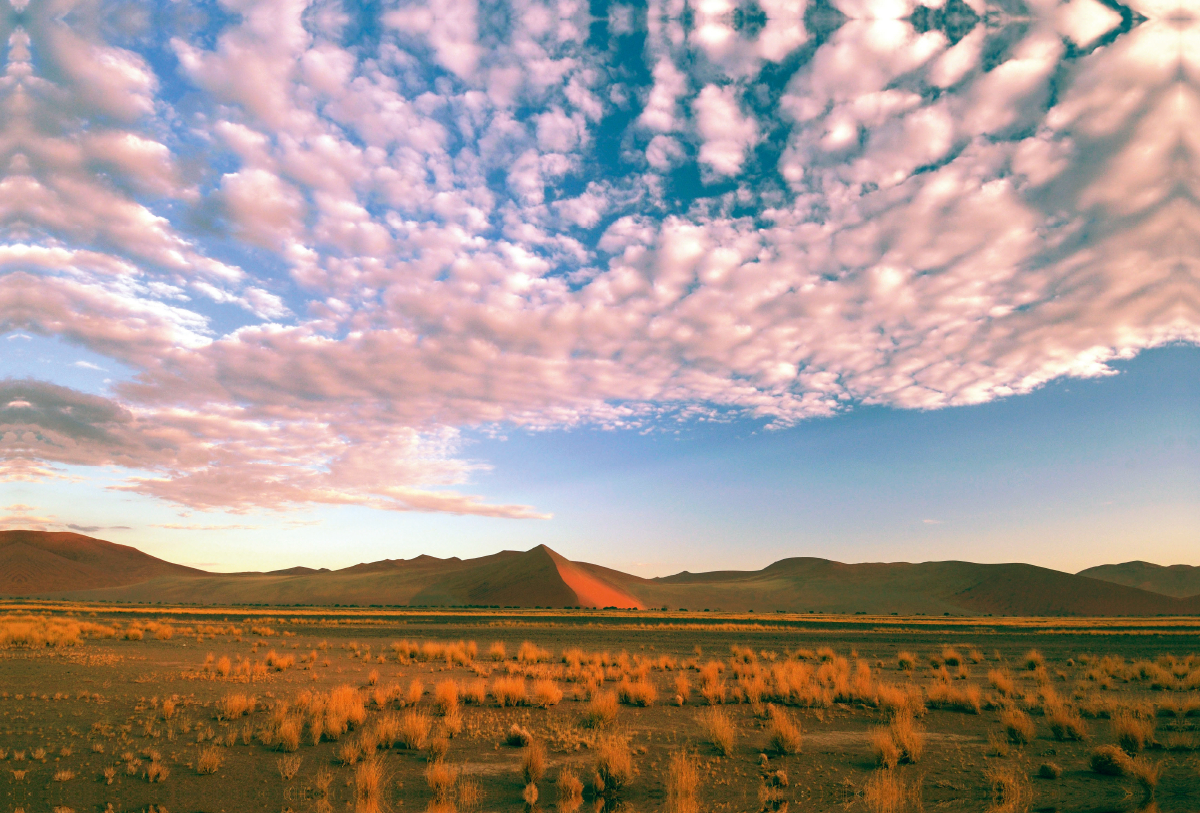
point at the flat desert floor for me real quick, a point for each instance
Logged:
(182, 709)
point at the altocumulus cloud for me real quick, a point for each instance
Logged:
(329, 238)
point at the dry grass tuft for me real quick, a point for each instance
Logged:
(533, 763)
(683, 778)
(445, 696)
(601, 711)
(886, 792)
(906, 661)
(614, 765)
(497, 651)
(1133, 733)
(718, 729)
(783, 732)
(1010, 789)
(902, 741)
(414, 730)
(1017, 726)
(368, 780)
(441, 779)
(570, 790)
(509, 691)
(1034, 660)
(210, 760)
(637, 692)
(546, 693)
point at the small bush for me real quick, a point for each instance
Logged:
(497, 652)
(1110, 760)
(907, 661)
(1049, 770)
(1133, 733)
(509, 691)
(518, 736)
(1034, 660)
(445, 696)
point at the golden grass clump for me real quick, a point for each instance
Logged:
(1110, 760)
(601, 711)
(1010, 789)
(783, 732)
(718, 729)
(1133, 732)
(683, 779)
(475, 692)
(368, 779)
(1065, 722)
(445, 696)
(886, 792)
(518, 736)
(614, 765)
(533, 762)
(156, 771)
(637, 692)
(289, 732)
(683, 689)
(497, 651)
(1034, 660)
(901, 741)
(530, 652)
(546, 693)
(508, 691)
(1018, 728)
(441, 779)
(570, 789)
(414, 693)
(1002, 682)
(413, 730)
(945, 695)
(210, 760)
(906, 661)
(232, 706)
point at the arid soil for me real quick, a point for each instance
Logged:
(181, 709)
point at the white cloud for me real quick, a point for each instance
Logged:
(726, 131)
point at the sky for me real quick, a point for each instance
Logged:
(664, 286)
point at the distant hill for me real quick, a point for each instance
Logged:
(1170, 580)
(78, 567)
(33, 562)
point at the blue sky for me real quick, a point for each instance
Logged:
(663, 285)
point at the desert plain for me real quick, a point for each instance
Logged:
(127, 707)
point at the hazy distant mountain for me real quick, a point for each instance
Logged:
(74, 566)
(1170, 580)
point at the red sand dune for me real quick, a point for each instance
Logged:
(591, 590)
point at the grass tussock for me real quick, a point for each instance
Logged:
(441, 779)
(518, 736)
(1133, 732)
(902, 741)
(718, 729)
(1110, 760)
(613, 766)
(509, 691)
(885, 791)
(783, 732)
(637, 692)
(601, 711)
(945, 695)
(546, 693)
(445, 696)
(413, 730)
(683, 780)
(569, 789)
(368, 784)
(1017, 725)
(533, 763)
(209, 760)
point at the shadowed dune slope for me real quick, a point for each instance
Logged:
(34, 562)
(1170, 580)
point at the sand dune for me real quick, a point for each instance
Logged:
(75, 566)
(1170, 580)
